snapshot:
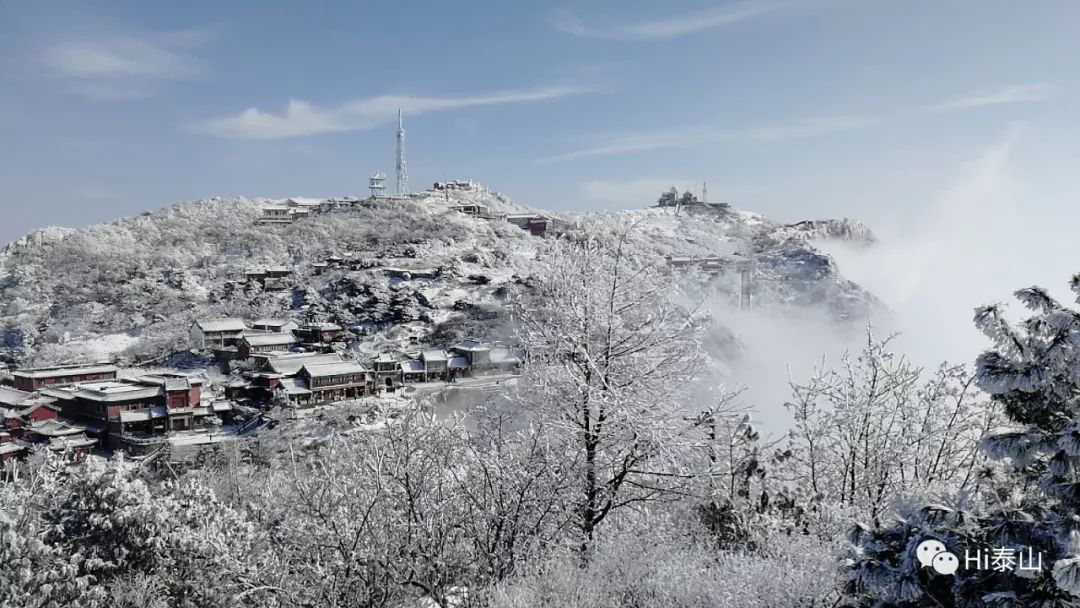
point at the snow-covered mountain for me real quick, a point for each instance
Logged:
(425, 268)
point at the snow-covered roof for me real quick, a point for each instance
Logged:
(295, 386)
(172, 382)
(412, 367)
(277, 339)
(53, 372)
(334, 369)
(267, 322)
(471, 344)
(115, 391)
(434, 355)
(459, 362)
(220, 325)
(11, 448)
(55, 428)
(59, 392)
(304, 202)
(176, 384)
(290, 365)
(73, 441)
(12, 397)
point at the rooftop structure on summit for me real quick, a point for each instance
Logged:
(456, 184)
(687, 199)
(377, 185)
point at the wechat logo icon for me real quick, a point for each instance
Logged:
(932, 554)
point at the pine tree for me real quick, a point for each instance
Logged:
(1030, 499)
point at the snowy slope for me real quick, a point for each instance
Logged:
(423, 273)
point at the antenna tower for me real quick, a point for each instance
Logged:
(402, 173)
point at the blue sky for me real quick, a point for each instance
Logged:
(800, 108)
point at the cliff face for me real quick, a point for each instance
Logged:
(419, 268)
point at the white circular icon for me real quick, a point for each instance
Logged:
(927, 550)
(946, 563)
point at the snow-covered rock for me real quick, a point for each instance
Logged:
(842, 229)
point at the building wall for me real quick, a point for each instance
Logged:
(476, 357)
(98, 410)
(208, 339)
(198, 340)
(178, 400)
(333, 381)
(42, 413)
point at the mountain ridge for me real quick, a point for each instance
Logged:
(422, 270)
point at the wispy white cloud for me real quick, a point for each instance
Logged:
(669, 26)
(302, 118)
(643, 141)
(130, 57)
(1013, 94)
(687, 138)
(125, 66)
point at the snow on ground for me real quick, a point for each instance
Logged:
(222, 434)
(105, 347)
(753, 219)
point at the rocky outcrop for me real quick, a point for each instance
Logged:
(842, 229)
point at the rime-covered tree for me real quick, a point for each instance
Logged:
(610, 358)
(877, 426)
(1030, 499)
(76, 535)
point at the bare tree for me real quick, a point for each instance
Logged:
(878, 426)
(515, 490)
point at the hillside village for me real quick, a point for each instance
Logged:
(294, 304)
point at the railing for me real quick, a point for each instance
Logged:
(142, 440)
